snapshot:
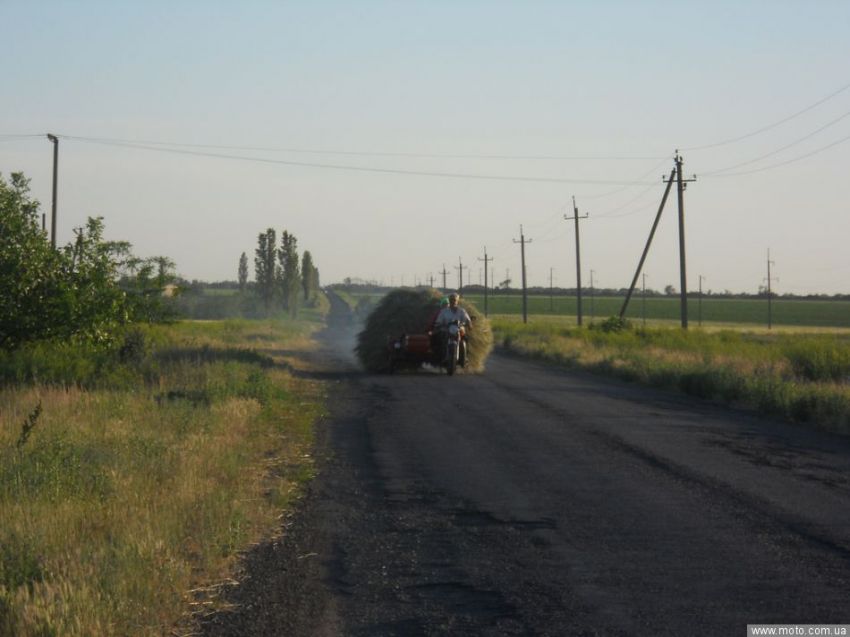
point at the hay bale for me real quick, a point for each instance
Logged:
(409, 312)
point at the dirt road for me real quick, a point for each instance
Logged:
(528, 501)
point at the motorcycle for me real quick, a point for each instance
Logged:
(455, 353)
(445, 348)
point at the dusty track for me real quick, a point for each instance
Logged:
(527, 501)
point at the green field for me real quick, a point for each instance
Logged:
(785, 312)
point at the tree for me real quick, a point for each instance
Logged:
(29, 269)
(669, 290)
(265, 267)
(290, 276)
(309, 276)
(243, 272)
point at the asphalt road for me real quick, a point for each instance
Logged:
(531, 501)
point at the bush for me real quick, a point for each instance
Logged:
(612, 324)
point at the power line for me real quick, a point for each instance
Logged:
(394, 171)
(357, 153)
(609, 213)
(643, 176)
(789, 161)
(770, 126)
(14, 138)
(779, 150)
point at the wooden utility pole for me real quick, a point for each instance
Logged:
(576, 217)
(486, 260)
(592, 295)
(643, 296)
(669, 183)
(551, 296)
(444, 272)
(459, 267)
(769, 293)
(55, 141)
(699, 306)
(681, 184)
(522, 241)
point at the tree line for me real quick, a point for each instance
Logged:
(85, 290)
(282, 280)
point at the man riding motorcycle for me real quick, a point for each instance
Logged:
(448, 315)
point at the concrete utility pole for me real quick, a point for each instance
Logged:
(459, 267)
(669, 183)
(55, 141)
(699, 310)
(578, 260)
(592, 295)
(551, 295)
(522, 241)
(444, 272)
(769, 292)
(681, 185)
(431, 279)
(486, 260)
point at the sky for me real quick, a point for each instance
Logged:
(395, 139)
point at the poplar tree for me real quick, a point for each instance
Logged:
(290, 276)
(243, 272)
(265, 266)
(308, 275)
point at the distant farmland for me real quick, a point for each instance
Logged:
(785, 312)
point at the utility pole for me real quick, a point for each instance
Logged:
(701, 277)
(431, 279)
(592, 295)
(486, 260)
(551, 296)
(578, 260)
(769, 292)
(55, 141)
(669, 182)
(444, 272)
(522, 241)
(681, 184)
(459, 267)
(644, 299)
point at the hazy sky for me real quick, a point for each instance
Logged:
(564, 95)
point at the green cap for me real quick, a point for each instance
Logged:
(444, 301)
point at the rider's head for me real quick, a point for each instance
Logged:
(444, 302)
(453, 299)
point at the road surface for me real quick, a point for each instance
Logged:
(531, 501)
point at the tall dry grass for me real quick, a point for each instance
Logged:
(802, 377)
(126, 498)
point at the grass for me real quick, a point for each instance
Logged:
(129, 482)
(745, 311)
(802, 377)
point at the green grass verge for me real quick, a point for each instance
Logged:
(802, 377)
(131, 478)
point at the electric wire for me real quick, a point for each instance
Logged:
(393, 171)
(358, 153)
(14, 137)
(770, 126)
(610, 212)
(778, 150)
(618, 190)
(784, 163)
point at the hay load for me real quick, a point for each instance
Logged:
(409, 312)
